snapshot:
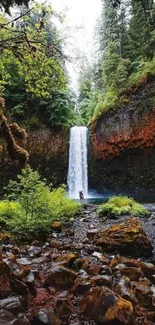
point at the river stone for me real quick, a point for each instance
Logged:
(12, 305)
(60, 277)
(103, 306)
(127, 237)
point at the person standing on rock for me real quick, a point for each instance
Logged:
(81, 196)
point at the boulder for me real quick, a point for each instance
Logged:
(127, 237)
(105, 307)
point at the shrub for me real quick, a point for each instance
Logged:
(30, 206)
(121, 205)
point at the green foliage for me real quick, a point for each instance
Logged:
(126, 47)
(30, 206)
(120, 205)
(58, 109)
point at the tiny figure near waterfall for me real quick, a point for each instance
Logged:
(81, 195)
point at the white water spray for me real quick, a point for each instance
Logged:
(78, 170)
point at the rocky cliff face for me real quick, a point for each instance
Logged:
(122, 144)
(48, 154)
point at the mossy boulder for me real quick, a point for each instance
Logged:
(127, 237)
(105, 307)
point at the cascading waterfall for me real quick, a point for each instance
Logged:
(78, 170)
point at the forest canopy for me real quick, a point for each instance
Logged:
(124, 49)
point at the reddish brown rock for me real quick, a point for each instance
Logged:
(60, 277)
(82, 284)
(64, 308)
(103, 306)
(67, 259)
(102, 280)
(147, 268)
(5, 289)
(127, 237)
(133, 273)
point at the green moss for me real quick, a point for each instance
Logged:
(121, 205)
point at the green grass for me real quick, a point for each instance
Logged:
(121, 205)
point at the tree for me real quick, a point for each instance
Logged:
(28, 47)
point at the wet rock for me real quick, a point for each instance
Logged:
(54, 319)
(102, 280)
(127, 237)
(35, 242)
(55, 244)
(60, 277)
(122, 287)
(64, 308)
(133, 273)
(12, 305)
(5, 289)
(100, 257)
(92, 233)
(24, 261)
(41, 318)
(34, 251)
(147, 268)
(82, 284)
(67, 259)
(7, 318)
(56, 226)
(30, 279)
(94, 269)
(19, 287)
(103, 306)
(42, 297)
(143, 293)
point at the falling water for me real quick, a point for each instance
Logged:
(77, 173)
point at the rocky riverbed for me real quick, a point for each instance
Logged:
(88, 272)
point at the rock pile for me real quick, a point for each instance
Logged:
(46, 284)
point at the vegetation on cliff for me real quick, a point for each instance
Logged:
(121, 205)
(30, 206)
(125, 42)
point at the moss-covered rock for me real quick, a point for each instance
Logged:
(127, 237)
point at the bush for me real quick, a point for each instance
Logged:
(121, 205)
(30, 206)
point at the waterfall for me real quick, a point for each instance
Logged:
(78, 171)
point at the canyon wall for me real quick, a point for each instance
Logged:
(48, 154)
(122, 144)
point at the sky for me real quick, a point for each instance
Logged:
(80, 19)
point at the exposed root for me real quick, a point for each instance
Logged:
(8, 132)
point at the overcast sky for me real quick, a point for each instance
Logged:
(82, 14)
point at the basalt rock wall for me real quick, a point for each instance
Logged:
(48, 154)
(122, 144)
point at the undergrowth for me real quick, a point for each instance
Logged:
(30, 207)
(121, 205)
